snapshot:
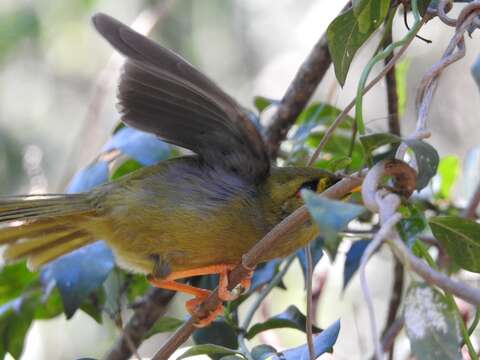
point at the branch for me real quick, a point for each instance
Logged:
(471, 210)
(250, 260)
(459, 289)
(299, 93)
(151, 308)
(392, 95)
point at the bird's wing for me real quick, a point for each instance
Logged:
(163, 94)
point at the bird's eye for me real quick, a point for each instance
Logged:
(309, 185)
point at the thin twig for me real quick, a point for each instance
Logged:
(152, 306)
(395, 299)
(259, 299)
(471, 209)
(388, 338)
(310, 315)
(299, 93)
(250, 260)
(457, 288)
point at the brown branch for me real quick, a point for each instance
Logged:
(392, 95)
(395, 300)
(151, 308)
(250, 260)
(299, 93)
(391, 333)
(471, 209)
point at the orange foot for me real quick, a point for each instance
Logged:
(224, 294)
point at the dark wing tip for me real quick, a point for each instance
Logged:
(111, 30)
(103, 23)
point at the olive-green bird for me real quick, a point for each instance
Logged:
(192, 215)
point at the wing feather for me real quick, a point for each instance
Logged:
(162, 93)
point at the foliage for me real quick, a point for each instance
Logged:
(77, 283)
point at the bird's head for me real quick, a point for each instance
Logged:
(283, 187)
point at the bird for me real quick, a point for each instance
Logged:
(192, 215)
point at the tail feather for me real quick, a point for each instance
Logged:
(35, 206)
(50, 226)
(64, 245)
(34, 243)
(12, 233)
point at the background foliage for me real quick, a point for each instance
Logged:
(75, 283)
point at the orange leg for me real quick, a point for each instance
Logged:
(224, 294)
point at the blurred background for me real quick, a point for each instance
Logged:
(57, 108)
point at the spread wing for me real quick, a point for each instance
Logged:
(163, 94)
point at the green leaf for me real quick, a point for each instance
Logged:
(14, 279)
(49, 305)
(364, 14)
(412, 224)
(427, 161)
(401, 71)
(460, 238)
(137, 286)
(337, 148)
(218, 333)
(431, 324)
(164, 324)
(448, 170)
(347, 33)
(261, 103)
(291, 318)
(94, 304)
(323, 113)
(372, 142)
(15, 320)
(207, 349)
(126, 167)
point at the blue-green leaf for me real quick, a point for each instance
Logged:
(330, 216)
(322, 343)
(218, 333)
(76, 275)
(352, 260)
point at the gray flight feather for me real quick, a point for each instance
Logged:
(162, 93)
